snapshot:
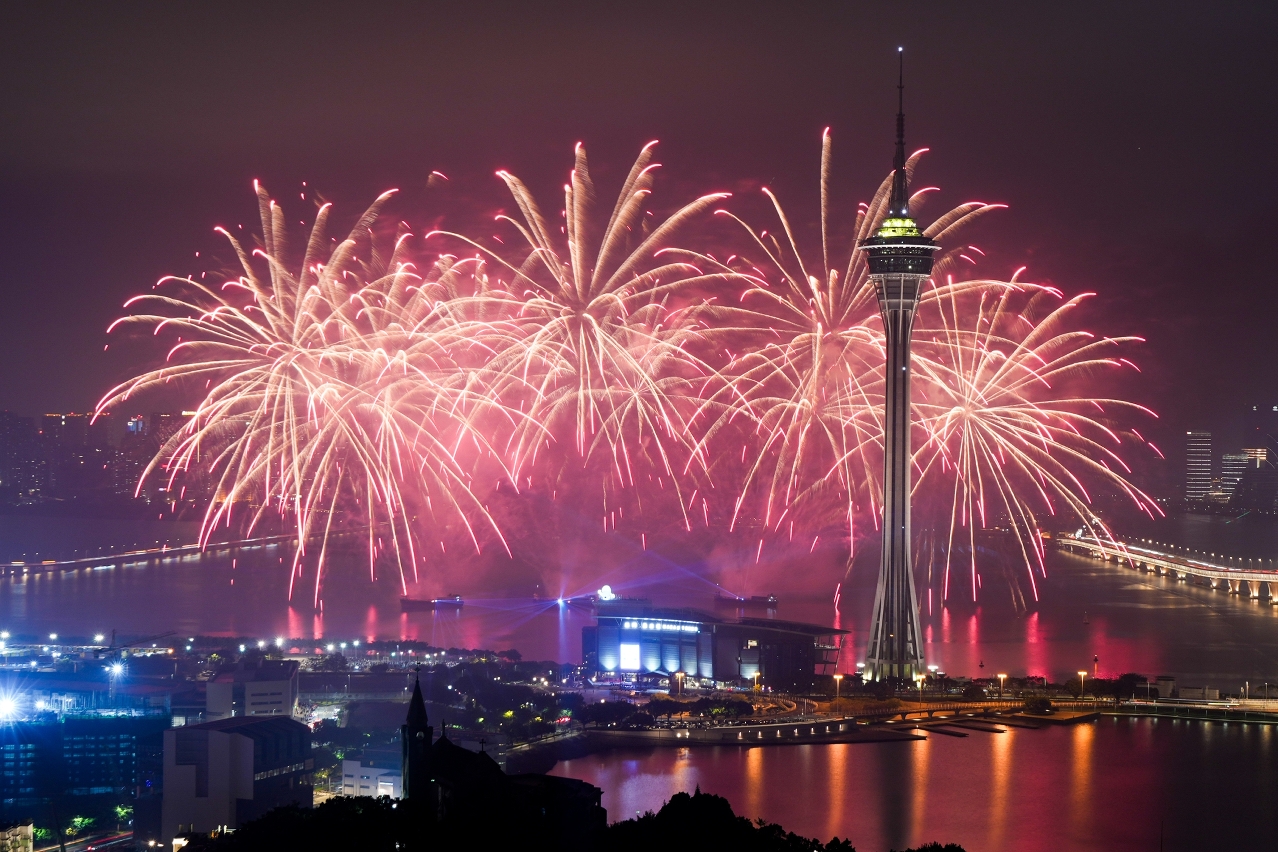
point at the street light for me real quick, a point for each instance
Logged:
(1001, 679)
(1082, 679)
(679, 681)
(838, 679)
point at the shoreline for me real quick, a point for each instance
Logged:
(542, 757)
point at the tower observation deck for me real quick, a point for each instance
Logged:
(899, 257)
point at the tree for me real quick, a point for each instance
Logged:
(698, 820)
(79, 824)
(1040, 704)
(605, 712)
(1131, 684)
(704, 821)
(662, 706)
(333, 663)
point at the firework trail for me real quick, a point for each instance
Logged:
(1000, 371)
(812, 384)
(597, 347)
(365, 389)
(331, 391)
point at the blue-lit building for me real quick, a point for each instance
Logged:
(96, 756)
(641, 642)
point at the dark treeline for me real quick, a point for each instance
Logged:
(699, 820)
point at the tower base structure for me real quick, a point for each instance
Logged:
(896, 648)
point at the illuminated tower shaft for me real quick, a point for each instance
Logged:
(899, 257)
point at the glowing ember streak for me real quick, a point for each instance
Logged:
(368, 391)
(1010, 430)
(332, 393)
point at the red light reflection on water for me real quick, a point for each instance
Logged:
(1113, 784)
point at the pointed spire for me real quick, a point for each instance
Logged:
(899, 205)
(416, 707)
(898, 246)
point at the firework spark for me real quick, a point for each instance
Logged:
(596, 342)
(363, 389)
(813, 383)
(327, 392)
(1006, 418)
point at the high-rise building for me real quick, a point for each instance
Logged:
(231, 771)
(163, 425)
(1232, 468)
(1257, 487)
(899, 258)
(1197, 466)
(77, 756)
(1260, 428)
(101, 435)
(20, 463)
(65, 431)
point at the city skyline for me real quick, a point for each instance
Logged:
(381, 470)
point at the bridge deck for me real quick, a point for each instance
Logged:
(1175, 565)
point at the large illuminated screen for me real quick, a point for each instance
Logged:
(629, 656)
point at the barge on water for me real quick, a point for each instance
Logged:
(432, 605)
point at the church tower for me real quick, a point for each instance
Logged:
(415, 740)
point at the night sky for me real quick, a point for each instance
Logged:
(1134, 146)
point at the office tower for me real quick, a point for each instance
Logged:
(1232, 468)
(1197, 466)
(1260, 428)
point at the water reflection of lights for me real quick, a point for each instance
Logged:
(1001, 776)
(1081, 778)
(754, 781)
